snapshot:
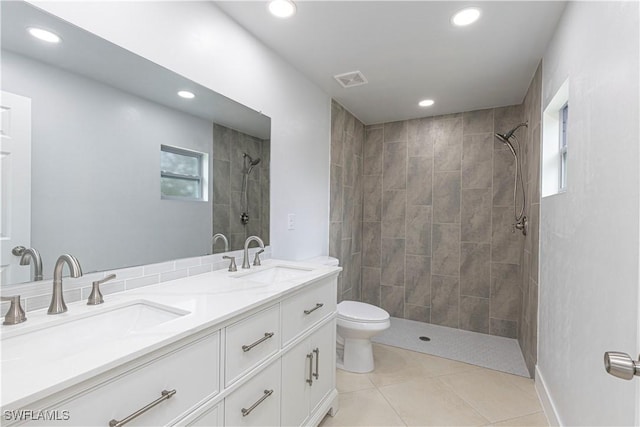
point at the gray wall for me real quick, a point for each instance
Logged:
(528, 334)
(228, 170)
(347, 137)
(102, 147)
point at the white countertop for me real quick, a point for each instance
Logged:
(210, 299)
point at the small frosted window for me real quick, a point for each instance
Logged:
(564, 117)
(181, 173)
(555, 137)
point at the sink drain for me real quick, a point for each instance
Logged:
(425, 339)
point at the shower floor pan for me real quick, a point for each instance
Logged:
(488, 351)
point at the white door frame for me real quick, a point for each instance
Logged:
(15, 153)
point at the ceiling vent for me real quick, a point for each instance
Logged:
(351, 79)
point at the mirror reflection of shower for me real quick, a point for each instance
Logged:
(249, 164)
(522, 222)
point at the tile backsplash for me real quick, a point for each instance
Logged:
(37, 295)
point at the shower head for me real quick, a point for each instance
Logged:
(251, 164)
(507, 136)
(251, 161)
(503, 138)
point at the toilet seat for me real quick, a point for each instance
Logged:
(359, 312)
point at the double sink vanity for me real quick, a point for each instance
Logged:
(253, 347)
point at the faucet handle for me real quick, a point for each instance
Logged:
(232, 265)
(15, 314)
(96, 296)
(256, 260)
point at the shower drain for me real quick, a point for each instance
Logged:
(425, 338)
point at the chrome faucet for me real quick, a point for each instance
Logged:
(95, 297)
(15, 314)
(245, 261)
(215, 238)
(32, 254)
(57, 305)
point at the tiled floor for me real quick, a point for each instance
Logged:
(416, 389)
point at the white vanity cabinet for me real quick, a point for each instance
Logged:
(308, 375)
(188, 377)
(270, 364)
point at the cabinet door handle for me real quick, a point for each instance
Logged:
(318, 305)
(267, 335)
(166, 394)
(310, 379)
(317, 374)
(266, 394)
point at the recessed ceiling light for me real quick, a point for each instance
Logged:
(282, 8)
(186, 94)
(466, 16)
(44, 35)
(426, 103)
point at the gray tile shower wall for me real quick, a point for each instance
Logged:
(437, 220)
(347, 239)
(228, 166)
(528, 325)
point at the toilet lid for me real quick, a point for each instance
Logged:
(361, 312)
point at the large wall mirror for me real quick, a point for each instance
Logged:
(103, 160)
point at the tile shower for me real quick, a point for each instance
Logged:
(422, 218)
(228, 169)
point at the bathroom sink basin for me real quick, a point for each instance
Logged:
(71, 336)
(275, 274)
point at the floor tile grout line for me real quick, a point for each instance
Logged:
(478, 411)
(473, 407)
(390, 404)
(521, 416)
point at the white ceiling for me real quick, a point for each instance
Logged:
(409, 51)
(86, 54)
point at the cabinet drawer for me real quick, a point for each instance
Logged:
(208, 417)
(192, 371)
(303, 310)
(256, 403)
(250, 341)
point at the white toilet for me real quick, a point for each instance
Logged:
(357, 323)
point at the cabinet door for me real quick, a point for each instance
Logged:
(296, 367)
(323, 347)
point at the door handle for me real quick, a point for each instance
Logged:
(317, 374)
(621, 365)
(310, 379)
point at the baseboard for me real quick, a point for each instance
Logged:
(547, 402)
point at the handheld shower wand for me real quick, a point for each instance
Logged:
(249, 164)
(520, 218)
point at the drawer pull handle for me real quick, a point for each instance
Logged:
(318, 305)
(267, 335)
(166, 394)
(317, 374)
(310, 379)
(246, 412)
